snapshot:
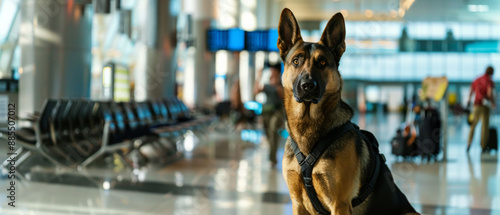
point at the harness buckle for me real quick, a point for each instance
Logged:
(308, 181)
(310, 159)
(300, 158)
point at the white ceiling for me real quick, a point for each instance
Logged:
(385, 10)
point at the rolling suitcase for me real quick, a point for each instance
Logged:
(429, 134)
(492, 143)
(404, 134)
(493, 139)
(399, 145)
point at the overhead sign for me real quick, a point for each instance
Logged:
(256, 40)
(235, 39)
(232, 39)
(434, 88)
(272, 40)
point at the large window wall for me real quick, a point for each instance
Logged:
(9, 27)
(416, 66)
(373, 51)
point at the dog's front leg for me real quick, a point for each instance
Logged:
(298, 209)
(341, 208)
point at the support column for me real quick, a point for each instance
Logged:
(233, 69)
(268, 13)
(361, 98)
(55, 52)
(444, 125)
(247, 75)
(156, 70)
(228, 16)
(199, 83)
(248, 22)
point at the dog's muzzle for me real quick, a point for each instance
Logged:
(307, 89)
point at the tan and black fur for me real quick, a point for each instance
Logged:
(312, 90)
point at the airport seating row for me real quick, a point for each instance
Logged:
(75, 132)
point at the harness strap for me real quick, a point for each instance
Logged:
(367, 189)
(307, 163)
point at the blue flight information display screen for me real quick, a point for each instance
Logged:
(232, 39)
(272, 40)
(236, 39)
(217, 39)
(256, 40)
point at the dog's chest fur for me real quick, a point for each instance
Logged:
(336, 171)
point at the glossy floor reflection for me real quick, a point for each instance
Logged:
(224, 174)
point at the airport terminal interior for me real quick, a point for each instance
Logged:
(177, 106)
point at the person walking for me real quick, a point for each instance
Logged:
(272, 109)
(483, 88)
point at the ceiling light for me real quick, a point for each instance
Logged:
(368, 13)
(472, 8)
(483, 8)
(478, 8)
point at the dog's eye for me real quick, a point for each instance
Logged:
(296, 61)
(322, 63)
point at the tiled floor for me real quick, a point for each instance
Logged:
(226, 175)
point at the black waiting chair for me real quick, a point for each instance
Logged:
(80, 131)
(38, 139)
(121, 129)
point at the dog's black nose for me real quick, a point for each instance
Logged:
(308, 85)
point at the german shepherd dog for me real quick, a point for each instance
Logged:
(312, 89)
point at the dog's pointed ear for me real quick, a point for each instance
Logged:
(288, 31)
(334, 36)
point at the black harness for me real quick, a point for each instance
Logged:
(307, 163)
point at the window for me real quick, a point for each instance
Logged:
(8, 11)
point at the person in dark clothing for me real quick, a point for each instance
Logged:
(272, 109)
